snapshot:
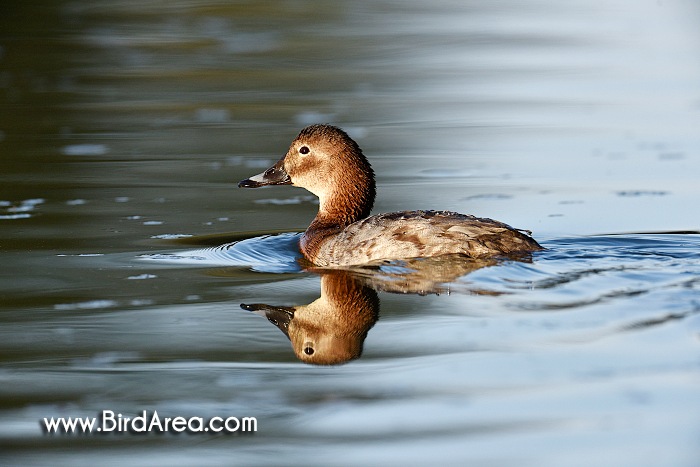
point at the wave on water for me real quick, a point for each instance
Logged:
(268, 253)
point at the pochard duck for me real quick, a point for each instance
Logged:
(328, 163)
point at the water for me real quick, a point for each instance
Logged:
(127, 250)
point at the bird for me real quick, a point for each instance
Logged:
(327, 162)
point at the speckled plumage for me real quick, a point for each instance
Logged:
(420, 234)
(327, 162)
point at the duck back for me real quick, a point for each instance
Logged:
(414, 234)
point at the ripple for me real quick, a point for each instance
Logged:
(638, 193)
(19, 210)
(487, 196)
(89, 305)
(293, 200)
(142, 277)
(580, 272)
(268, 253)
(15, 216)
(85, 150)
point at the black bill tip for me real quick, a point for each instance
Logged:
(248, 183)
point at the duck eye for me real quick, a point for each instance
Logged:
(309, 350)
(304, 150)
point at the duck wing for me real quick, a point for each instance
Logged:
(415, 234)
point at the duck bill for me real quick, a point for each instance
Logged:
(275, 175)
(280, 316)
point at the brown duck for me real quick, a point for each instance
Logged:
(327, 162)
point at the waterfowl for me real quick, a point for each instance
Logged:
(328, 163)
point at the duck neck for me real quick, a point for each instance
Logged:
(348, 204)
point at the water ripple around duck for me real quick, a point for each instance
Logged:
(268, 253)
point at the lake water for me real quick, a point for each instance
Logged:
(125, 126)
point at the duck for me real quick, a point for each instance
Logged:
(327, 162)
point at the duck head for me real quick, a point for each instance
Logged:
(324, 160)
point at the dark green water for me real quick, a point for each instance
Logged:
(125, 124)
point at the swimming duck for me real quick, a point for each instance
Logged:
(328, 163)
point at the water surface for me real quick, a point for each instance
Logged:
(124, 127)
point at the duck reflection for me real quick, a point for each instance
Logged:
(332, 329)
